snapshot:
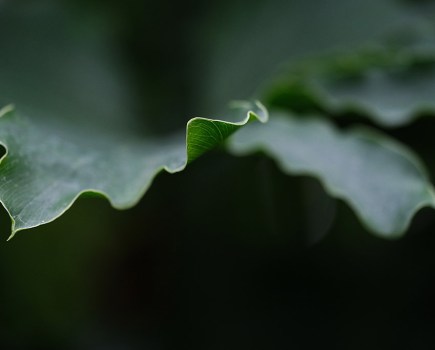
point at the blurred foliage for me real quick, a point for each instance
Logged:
(170, 273)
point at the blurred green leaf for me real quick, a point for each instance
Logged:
(390, 88)
(380, 179)
(48, 167)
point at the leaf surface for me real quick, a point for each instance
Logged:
(381, 180)
(48, 166)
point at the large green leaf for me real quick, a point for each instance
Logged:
(48, 166)
(391, 88)
(77, 128)
(380, 179)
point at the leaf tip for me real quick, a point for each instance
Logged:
(262, 114)
(11, 235)
(255, 109)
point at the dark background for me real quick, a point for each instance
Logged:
(231, 253)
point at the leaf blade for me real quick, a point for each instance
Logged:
(43, 172)
(381, 180)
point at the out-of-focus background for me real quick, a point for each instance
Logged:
(231, 253)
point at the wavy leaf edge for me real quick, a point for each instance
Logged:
(259, 114)
(369, 133)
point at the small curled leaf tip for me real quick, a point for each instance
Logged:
(251, 105)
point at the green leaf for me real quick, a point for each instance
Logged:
(48, 166)
(390, 95)
(78, 128)
(381, 180)
(390, 88)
